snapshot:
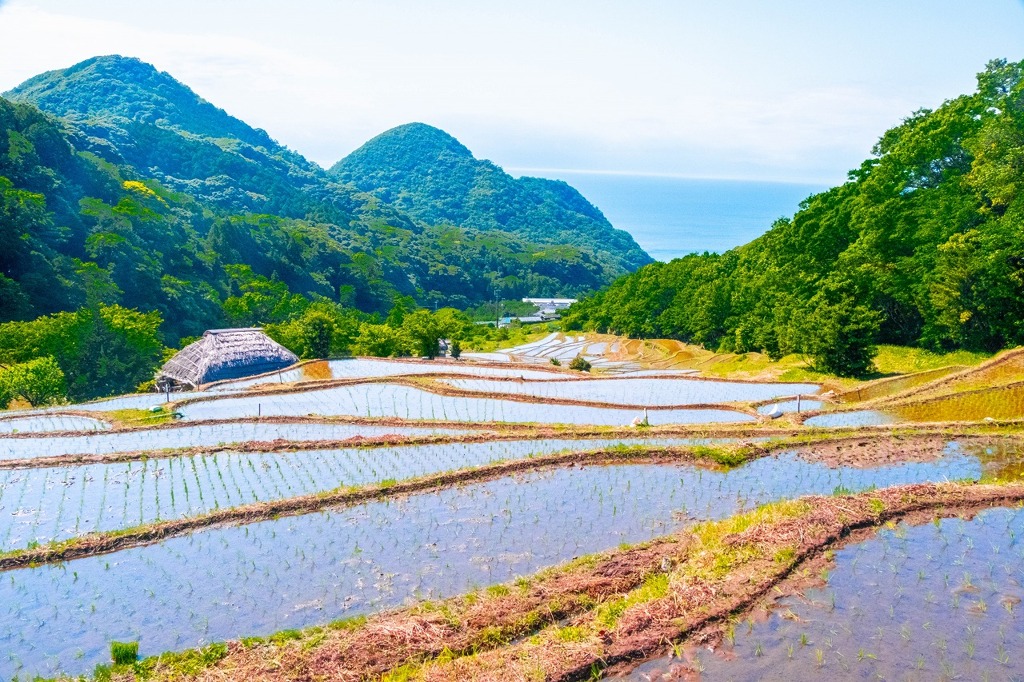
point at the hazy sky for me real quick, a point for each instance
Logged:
(784, 90)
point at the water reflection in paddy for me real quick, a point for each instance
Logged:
(41, 505)
(929, 602)
(292, 572)
(389, 400)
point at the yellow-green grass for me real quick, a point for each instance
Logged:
(136, 417)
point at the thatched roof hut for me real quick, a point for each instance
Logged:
(223, 354)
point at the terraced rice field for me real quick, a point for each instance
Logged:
(654, 392)
(367, 368)
(273, 505)
(50, 423)
(405, 402)
(185, 435)
(261, 577)
(57, 503)
(939, 600)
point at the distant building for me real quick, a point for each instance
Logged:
(550, 308)
(551, 303)
(223, 354)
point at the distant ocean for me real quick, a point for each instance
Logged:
(671, 217)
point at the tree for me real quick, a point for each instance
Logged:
(403, 306)
(37, 382)
(424, 331)
(380, 340)
(260, 300)
(317, 330)
(841, 337)
(103, 351)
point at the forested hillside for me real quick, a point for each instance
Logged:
(143, 194)
(430, 175)
(924, 245)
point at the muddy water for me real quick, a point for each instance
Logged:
(259, 578)
(930, 602)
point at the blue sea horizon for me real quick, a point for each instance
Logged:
(670, 217)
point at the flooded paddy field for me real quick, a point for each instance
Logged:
(258, 578)
(935, 601)
(367, 368)
(184, 435)
(48, 504)
(851, 418)
(42, 423)
(389, 400)
(639, 391)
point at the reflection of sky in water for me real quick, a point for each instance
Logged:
(385, 400)
(925, 602)
(358, 368)
(57, 503)
(197, 435)
(791, 406)
(43, 423)
(629, 391)
(853, 418)
(223, 583)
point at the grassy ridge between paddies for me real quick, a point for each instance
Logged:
(670, 354)
(992, 390)
(576, 620)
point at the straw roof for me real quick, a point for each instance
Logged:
(225, 354)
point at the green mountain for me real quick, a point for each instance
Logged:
(431, 176)
(924, 245)
(120, 185)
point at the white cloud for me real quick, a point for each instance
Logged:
(663, 86)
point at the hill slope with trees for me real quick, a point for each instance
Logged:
(141, 186)
(134, 215)
(923, 245)
(428, 174)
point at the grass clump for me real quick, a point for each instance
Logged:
(181, 663)
(714, 558)
(124, 653)
(580, 364)
(135, 417)
(654, 587)
(572, 634)
(725, 455)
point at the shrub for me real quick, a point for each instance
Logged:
(456, 350)
(580, 363)
(556, 362)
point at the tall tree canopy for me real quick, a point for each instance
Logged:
(924, 244)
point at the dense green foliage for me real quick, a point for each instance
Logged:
(924, 245)
(101, 351)
(431, 176)
(144, 195)
(37, 382)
